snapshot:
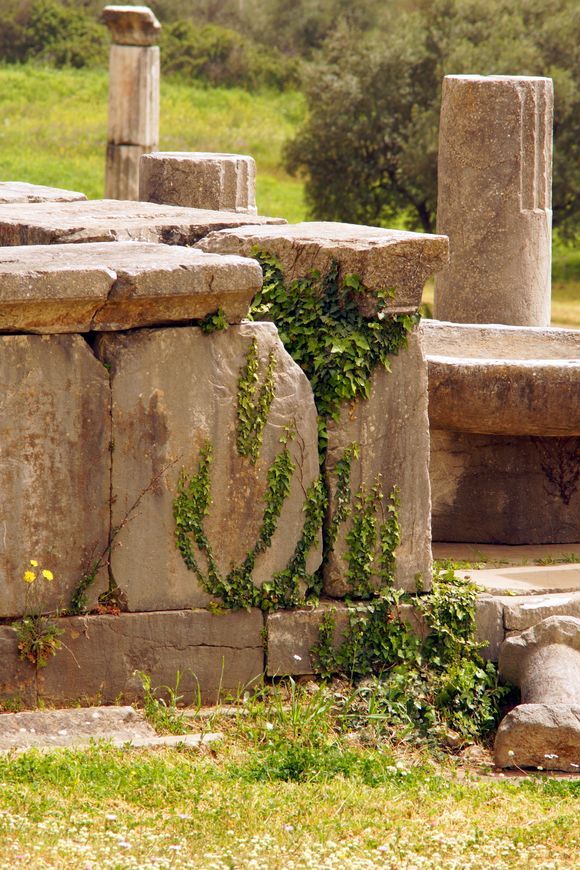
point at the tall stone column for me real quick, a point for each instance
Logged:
(494, 200)
(133, 96)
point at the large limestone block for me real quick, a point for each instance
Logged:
(521, 612)
(504, 490)
(221, 182)
(55, 436)
(20, 191)
(17, 677)
(494, 199)
(110, 220)
(79, 288)
(174, 391)
(503, 380)
(215, 654)
(382, 259)
(131, 25)
(392, 429)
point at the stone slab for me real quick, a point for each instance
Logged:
(503, 489)
(79, 288)
(217, 655)
(523, 612)
(175, 390)
(503, 380)
(534, 580)
(21, 191)
(199, 180)
(109, 220)
(382, 259)
(72, 727)
(545, 736)
(392, 429)
(55, 438)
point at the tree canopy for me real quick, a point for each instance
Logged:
(368, 148)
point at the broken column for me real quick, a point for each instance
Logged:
(390, 427)
(544, 731)
(219, 182)
(133, 96)
(494, 199)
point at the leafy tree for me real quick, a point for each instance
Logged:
(369, 145)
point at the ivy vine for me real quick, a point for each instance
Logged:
(254, 402)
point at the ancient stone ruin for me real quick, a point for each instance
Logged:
(204, 484)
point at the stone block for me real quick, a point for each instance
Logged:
(523, 612)
(504, 489)
(503, 380)
(489, 626)
(75, 727)
(12, 192)
(131, 25)
(17, 677)
(79, 288)
(55, 437)
(221, 182)
(217, 655)
(110, 220)
(174, 391)
(545, 736)
(494, 199)
(382, 259)
(392, 429)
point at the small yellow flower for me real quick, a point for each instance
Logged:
(34, 563)
(29, 577)
(48, 575)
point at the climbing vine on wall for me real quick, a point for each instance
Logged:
(254, 402)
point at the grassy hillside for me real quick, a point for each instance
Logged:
(53, 129)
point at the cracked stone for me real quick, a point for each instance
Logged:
(173, 391)
(64, 288)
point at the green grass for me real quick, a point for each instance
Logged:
(53, 129)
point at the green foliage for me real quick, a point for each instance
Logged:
(342, 496)
(254, 402)
(382, 144)
(321, 327)
(163, 714)
(236, 588)
(38, 638)
(426, 686)
(214, 322)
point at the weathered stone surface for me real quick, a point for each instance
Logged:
(122, 171)
(540, 735)
(503, 380)
(506, 558)
(131, 25)
(544, 661)
(108, 220)
(216, 655)
(55, 436)
(532, 580)
(504, 490)
(74, 727)
(17, 677)
(134, 96)
(78, 288)
(494, 199)
(174, 390)
(489, 625)
(293, 633)
(392, 430)
(20, 191)
(382, 259)
(221, 182)
(523, 612)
